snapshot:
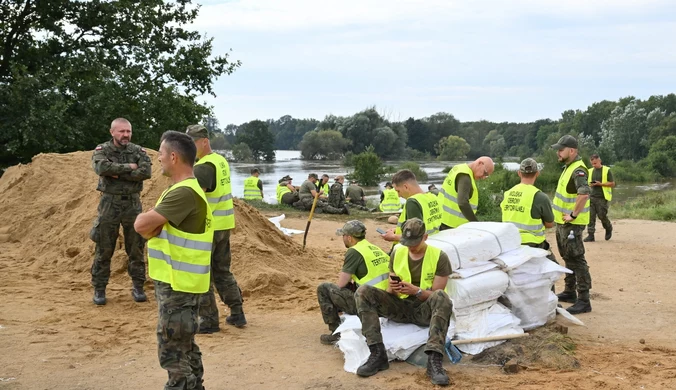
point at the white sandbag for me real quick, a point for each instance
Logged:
(354, 348)
(469, 272)
(469, 310)
(276, 221)
(486, 286)
(493, 321)
(553, 304)
(539, 266)
(514, 258)
(476, 243)
(531, 304)
(529, 279)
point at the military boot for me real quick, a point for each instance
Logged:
(377, 361)
(589, 238)
(138, 294)
(329, 339)
(567, 296)
(346, 209)
(609, 234)
(583, 305)
(435, 370)
(237, 320)
(99, 297)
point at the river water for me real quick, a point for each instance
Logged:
(289, 163)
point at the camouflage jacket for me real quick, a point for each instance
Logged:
(115, 174)
(336, 195)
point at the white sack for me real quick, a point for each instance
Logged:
(530, 303)
(486, 286)
(276, 221)
(514, 258)
(461, 273)
(469, 310)
(476, 243)
(494, 321)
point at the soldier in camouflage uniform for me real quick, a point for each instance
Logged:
(571, 248)
(122, 167)
(307, 193)
(364, 263)
(336, 194)
(418, 298)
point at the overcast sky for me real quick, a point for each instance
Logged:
(515, 60)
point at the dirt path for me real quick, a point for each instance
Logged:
(52, 337)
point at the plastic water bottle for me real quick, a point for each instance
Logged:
(571, 236)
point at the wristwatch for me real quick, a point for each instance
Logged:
(419, 293)
(573, 216)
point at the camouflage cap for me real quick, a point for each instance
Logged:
(287, 177)
(197, 131)
(388, 184)
(412, 232)
(567, 141)
(529, 165)
(353, 228)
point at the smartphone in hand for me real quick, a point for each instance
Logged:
(381, 231)
(395, 278)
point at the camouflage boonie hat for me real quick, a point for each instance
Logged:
(197, 131)
(412, 232)
(567, 141)
(529, 165)
(353, 228)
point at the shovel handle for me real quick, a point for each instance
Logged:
(490, 338)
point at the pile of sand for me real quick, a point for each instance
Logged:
(48, 208)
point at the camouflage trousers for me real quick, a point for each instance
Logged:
(435, 312)
(116, 210)
(598, 207)
(572, 252)
(223, 280)
(333, 300)
(306, 203)
(176, 329)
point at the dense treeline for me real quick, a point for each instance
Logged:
(629, 129)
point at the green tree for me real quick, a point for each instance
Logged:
(324, 144)
(495, 144)
(242, 153)
(625, 133)
(414, 167)
(218, 141)
(452, 148)
(257, 135)
(368, 168)
(68, 68)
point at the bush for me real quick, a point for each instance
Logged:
(241, 152)
(417, 155)
(348, 159)
(414, 167)
(629, 171)
(368, 168)
(659, 206)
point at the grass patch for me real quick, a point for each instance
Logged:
(657, 206)
(543, 348)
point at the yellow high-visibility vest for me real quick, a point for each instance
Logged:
(377, 265)
(251, 190)
(448, 197)
(281, 190)
(220, 199)
(564, 202)
(516, 209)
(179, 258)
(607, 191)
(429, 266)
(390, 200)
(431, 213)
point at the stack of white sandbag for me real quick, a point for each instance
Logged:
(476, 283)
(529, 294)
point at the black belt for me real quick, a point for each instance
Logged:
(121, 197)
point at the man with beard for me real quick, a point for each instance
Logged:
(122, 167)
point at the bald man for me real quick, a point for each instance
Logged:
(459, 195)
(122, 167)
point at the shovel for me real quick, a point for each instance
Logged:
(309, 219)
(419, 357)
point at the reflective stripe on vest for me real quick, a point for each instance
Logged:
(391, 200)
(377, 265)
(607, 191)
(179, 258)
(564, 203)
(431, 213)
(281, 190)
(452, 216)
(516, 209)
(220, 199)
(428, 271)
(251, 190)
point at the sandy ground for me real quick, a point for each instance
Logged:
(53, 337)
